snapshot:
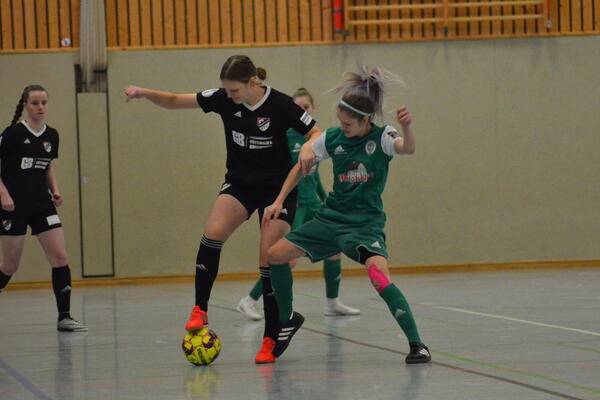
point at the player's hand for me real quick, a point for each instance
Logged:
(271, 212)
(57, 199)
(403, 117)
(7, 202)
(133, 92)
(307, 158)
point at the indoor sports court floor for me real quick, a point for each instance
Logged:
(493, 335)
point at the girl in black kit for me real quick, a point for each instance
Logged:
(29, 195)
(255, 118)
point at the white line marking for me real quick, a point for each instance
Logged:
(512, 319)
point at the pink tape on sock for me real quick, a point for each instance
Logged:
(378, 279)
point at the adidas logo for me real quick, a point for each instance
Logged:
(284, 211)
(201, 267)
(376, 244)
(238, 114)
(399, 313)
(284, 334)
(66, 289)
(338, 278)
(424, 352)
(339, 150)
(297, 147)
(26, 141)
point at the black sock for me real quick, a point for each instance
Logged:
(4, 280)
(270, 304)
(61, 284)
(207, 266)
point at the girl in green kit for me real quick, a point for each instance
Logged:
(311, 196)
(352, 219)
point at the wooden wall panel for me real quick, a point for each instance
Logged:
(32, 25)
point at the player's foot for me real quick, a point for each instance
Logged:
(286, 331)
(265, 354)
(197, 320)
(70, 325)
(419, 353)
(247, 306)
(336, 307)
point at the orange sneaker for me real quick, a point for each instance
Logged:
(197, 320)
(265, 354)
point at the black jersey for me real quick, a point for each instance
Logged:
(257, 151)
(24, 160)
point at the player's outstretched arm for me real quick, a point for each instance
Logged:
(171, 101)
(407, 144)
(306, 158)
(290, 183)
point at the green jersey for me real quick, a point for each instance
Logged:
(360, 167)
(310, 189)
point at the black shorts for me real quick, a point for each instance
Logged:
(15, 224)
(258, 198)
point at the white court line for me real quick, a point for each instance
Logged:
(512, 319)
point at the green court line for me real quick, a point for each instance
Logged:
(513, 371)
(310, 296)
(577, 347)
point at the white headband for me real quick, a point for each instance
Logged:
(348, 106)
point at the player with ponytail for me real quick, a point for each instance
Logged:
(311, 196)
(352, 220)
(256, 118)
(29, 195)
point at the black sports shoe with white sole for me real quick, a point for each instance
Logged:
(286, 331)
(419, 354)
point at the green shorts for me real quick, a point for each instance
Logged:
(305, 213)
(331, 232)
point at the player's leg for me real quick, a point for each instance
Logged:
(12, 249)
(269, 236)
(53, 244)
(398, 305)
(332, 271)
(226, 216)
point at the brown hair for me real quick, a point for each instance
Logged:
(302, 92)
(241, 68)
(23, 100)
(364, 90)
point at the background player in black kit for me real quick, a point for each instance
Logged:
(29, 195)
(255, 118)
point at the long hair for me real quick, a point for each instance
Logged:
(363, 91)
(241, 68)
(23, 100)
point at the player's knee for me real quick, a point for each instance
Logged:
(58, 258)
(9, 267)
(378, 277)
(276, 255)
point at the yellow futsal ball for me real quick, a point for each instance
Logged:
(201, 347)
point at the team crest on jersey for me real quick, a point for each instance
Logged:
(263, 123)
(370, 147)
(7, 224)
(48, 147)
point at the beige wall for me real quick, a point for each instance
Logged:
(506, 167)
(55, 73)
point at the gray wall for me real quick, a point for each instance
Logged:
(506, 167)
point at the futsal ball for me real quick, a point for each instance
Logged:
(201, 347)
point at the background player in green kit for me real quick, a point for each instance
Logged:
(311, 196)
(352, 219)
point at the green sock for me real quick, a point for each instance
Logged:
(282, 281)
(332, 269)
(401, 311)
(256, 291)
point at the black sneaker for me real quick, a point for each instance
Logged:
(286, 331)
(419, 354)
